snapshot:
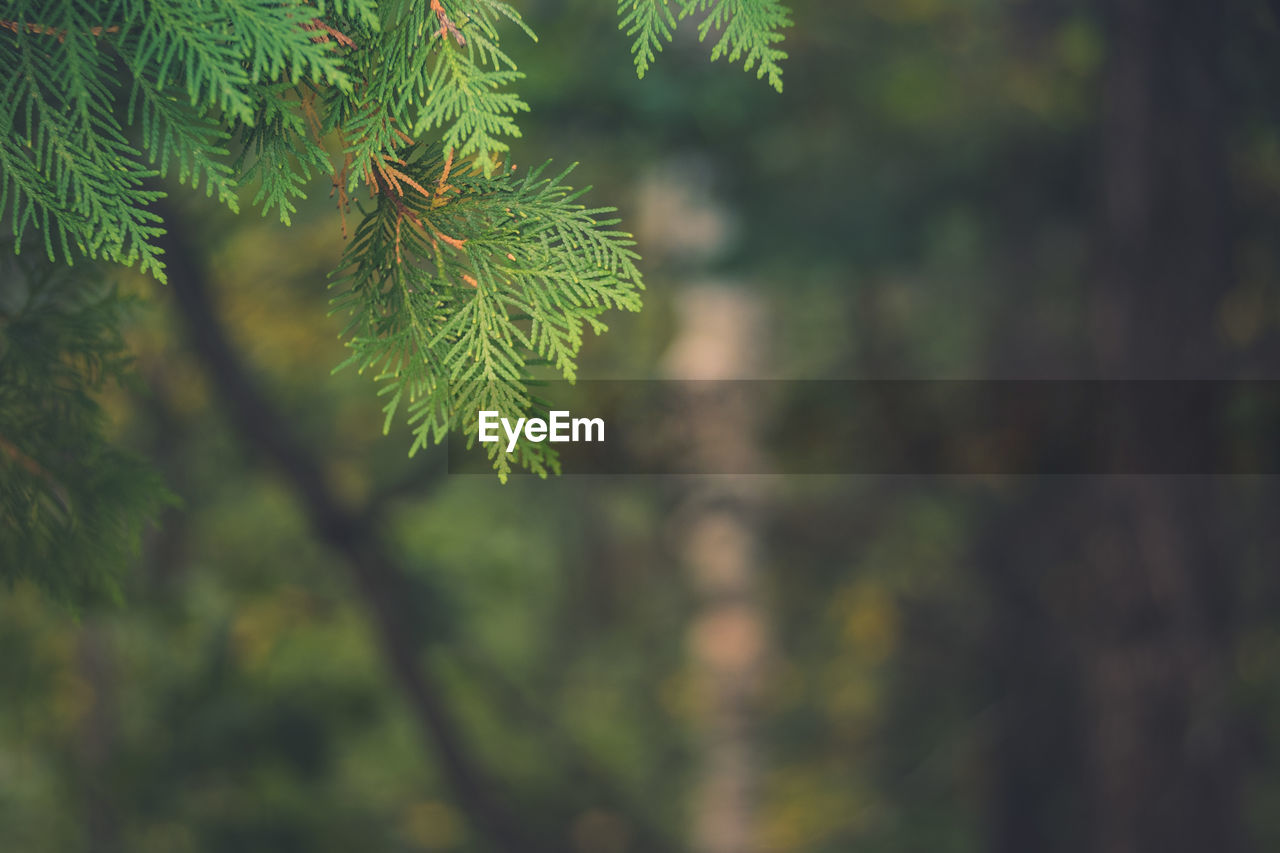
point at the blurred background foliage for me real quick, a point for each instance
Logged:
(945, 666)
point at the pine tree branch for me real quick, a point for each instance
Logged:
(377, 576)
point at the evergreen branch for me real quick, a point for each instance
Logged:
(461, 89)
(748, 29)
(221, 50)
(193, 46)
(461, 282)
(434, 66)
(466, 101)
(651, 22)
(72, 506)
(174, 133)
(280, 154)
(67, 164)
(493, 276)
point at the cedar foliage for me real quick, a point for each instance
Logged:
(744, 29)
(461, 278)
(72, 506)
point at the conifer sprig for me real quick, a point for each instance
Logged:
(173, 133)
(493, 275)
(652, 23)
(749, 30)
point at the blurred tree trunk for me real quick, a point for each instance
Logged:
(1034, 746)
(1156, 580)
(1165, 236)
(721, 333)
(1114, 683)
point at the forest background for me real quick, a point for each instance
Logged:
(329, 647)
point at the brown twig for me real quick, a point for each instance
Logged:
(43, 30)
(324, 32)
(447, 27)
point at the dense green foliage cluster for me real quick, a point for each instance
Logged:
(462, 274)
(101, 98)
(270, 79)
(71, 504)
